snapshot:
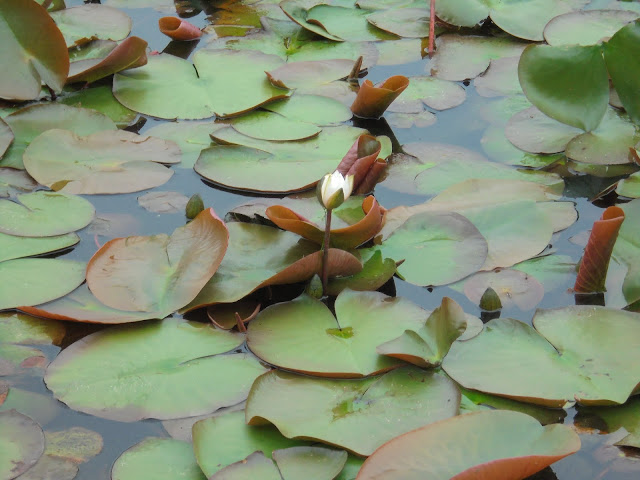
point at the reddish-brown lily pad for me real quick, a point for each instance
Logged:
(178, 29)
(159, 273)
(373, 100)
(343, 238)
(499, 445)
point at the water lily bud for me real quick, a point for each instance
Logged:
(314, 288)
(194, 206)
(334, 189)
(490, 300)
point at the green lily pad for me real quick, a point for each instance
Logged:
(430, 91)
(21, 443)
(159, 273)
(587, 27)
(255, 465)
(606, 145)
(630, 186)
(91, 50)
(45, 214)
(496, 444)
(621, 55)
(549, 78)
(358, 415)
(501, 78)
(349, 24)
(398, 52)
(460, 57)
(304, 336)
(101, 99)
(307, 75)
(297, 11)
(30, 122)
(427, 345)
(227, 439)
(12, 246)
(309, 462)
(102, 162)
(25, 329)
(625, 416)
(407, 120)
(404, 22)
(192, 137)
(162, 369)
(31, 281)
(525, 19)
(35, 49)
(532, 131)
(88, 22)
(311, 108)
(275, 166)
(438, 248)
(224, 83)
(6, 137)
(160, 458)
(376, 271)
(513, 287)
(555, 272)
(497, 147)
(263, 125)
(566, 357)
(81, 306)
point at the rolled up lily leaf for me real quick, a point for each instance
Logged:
(363, 163)
(344, 238)
(595, 261)
(372, 101)
(178, 29)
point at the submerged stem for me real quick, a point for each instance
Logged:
(325, 253)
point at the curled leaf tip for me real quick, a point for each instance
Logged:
(372, 101)
(178, 29)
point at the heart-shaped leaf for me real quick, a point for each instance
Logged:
(159, 273)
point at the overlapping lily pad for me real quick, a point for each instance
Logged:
(45, 214)
(101, 99)
(404, 22)
(191, 137)
(30, 122)
(497, 444)
(25, 329)
(163, 369)
(582, 353)
(87, 22)
(12, 246)
(358, 415)
(274, 127)
(31, 281)
(35, 49)
(304, 336)
(21, 444)
(587, 27)
(103, 162)
(274, 166)
(224, 83)
(430, 91)
(159, 274)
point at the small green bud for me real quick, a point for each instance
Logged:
(314, 287)
(194, 206)
(490, 300)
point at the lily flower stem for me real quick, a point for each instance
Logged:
(325, 253)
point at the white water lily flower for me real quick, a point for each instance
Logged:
(334, 189)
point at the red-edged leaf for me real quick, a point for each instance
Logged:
(345, 238)
(372, 101)
(595, 261)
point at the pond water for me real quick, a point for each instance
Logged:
(461, 126)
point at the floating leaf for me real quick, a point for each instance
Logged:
(35, 49)
(372, 101)
(532, 131)
(131, 53)
(303, 335)
(430, 91)
(404, 22)
(159, 273)
(428, 344)
(20, 360)
(178, 29)
(565, 358)
(87, 22)
(358, 415)
(31, 281)
(309, 462)
(460, 57)
(376, 271)
(12, 246)
(311, 108)
(343, 238)
(512, 287)
(103, 162)
(549, 78)
(49, 467)
(255, 465)
(21, 442)
(501, 78)
(192, 137)
(346, 23)
(222, 440)
(224, 83)
(45, 214)
(625, 416)
(159, 458)
(439, 248)
(306, 74)
(274, 166)
(296, 11)
(24, 329)
(621, 55)
(497, 444)
(6, 137)
(165, 202)
(11, 179)
(587, 27)
(30, 122)
(76, 444)
(272, 126)
(101, 99)
(593, 266)
(163, 369)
